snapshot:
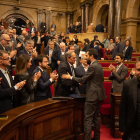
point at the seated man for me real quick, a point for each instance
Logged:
(51, 53)
(7, 88)
(43, 85)
(80, 72)
(118, 74)
(29, 44)
(66, 87)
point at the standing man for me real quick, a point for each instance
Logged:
(95, 93)
(81, 70)
(99, 28)
(53, 25)
(66, 87)
(43, 91)
(43, 26)
(118, 74)
(96, 47)
(129, 114)
(118, 48)
(32, 29)
(7, 88)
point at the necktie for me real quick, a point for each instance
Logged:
(72, 70)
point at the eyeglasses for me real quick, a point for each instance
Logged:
(7, 40)
(7, 58)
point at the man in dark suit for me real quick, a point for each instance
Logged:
(65, 87)
(43, 26)
(95, 93)
(99, 28)
(129, 114)
(118, 74)
(77, 62)
(80, 71)
(51, 53)
(7, 88)
(43, 91)
(32, 29)
(46, 38)
(118, 48)
(53, 26)
(30, 51)
(96, 47)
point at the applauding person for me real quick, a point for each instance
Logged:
(43, 85)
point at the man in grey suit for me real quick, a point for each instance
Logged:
(118, 74)
(95, 93)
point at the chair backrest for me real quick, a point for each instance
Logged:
(107, 86)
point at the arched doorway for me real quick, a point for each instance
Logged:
(17, 21)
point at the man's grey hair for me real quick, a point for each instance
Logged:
(62, 43)
(9, 29)
(128, 38)
(3, 36)
(29, 42)
(68, 54)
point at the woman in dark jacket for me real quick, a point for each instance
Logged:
(25, 95)
(127, 51)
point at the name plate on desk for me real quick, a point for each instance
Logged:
(61, 98)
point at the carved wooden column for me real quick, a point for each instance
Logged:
(111, 18)
(82, 17)
(39, 18)
(47, 20)
(68, 19)
(118, 18)
(86, 15)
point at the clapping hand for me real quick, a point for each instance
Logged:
(54, 75)
(19, 45)
(13, 53)
(20, 84)
(36, 76)
(66, 76)
(112, 68)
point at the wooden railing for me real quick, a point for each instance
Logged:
(45, 120)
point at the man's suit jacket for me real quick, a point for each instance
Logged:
(80, 72)
(6, 92)
(31, 29)
(43, 27)
(118, 49)
(46, 39)
(63, 85)
(43, 84)
(118, 79)
(54, 57)
(33, 66)
(128, 53)
(128, 106)
(98, 50)
(59, 58)
(53, 26)
(86, 47)
(94, 78)
(99, 28)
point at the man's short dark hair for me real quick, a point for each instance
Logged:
(93, 52)
(72, 43)
(112, 39)
(121, 55)
(53, 38)
(67, 37)
(95, 37)
(39, 58)
(137, 60)
(86, 40)
(70, 46)
(119, 37)
(3, 51)
(48, 32)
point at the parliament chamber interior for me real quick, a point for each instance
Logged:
(33, 105)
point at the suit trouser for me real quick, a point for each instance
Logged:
(92, 114)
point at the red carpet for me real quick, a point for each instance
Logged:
(105, 133)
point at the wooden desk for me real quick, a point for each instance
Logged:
(115, 104)
(45, 120)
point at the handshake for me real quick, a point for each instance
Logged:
(53, 75)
